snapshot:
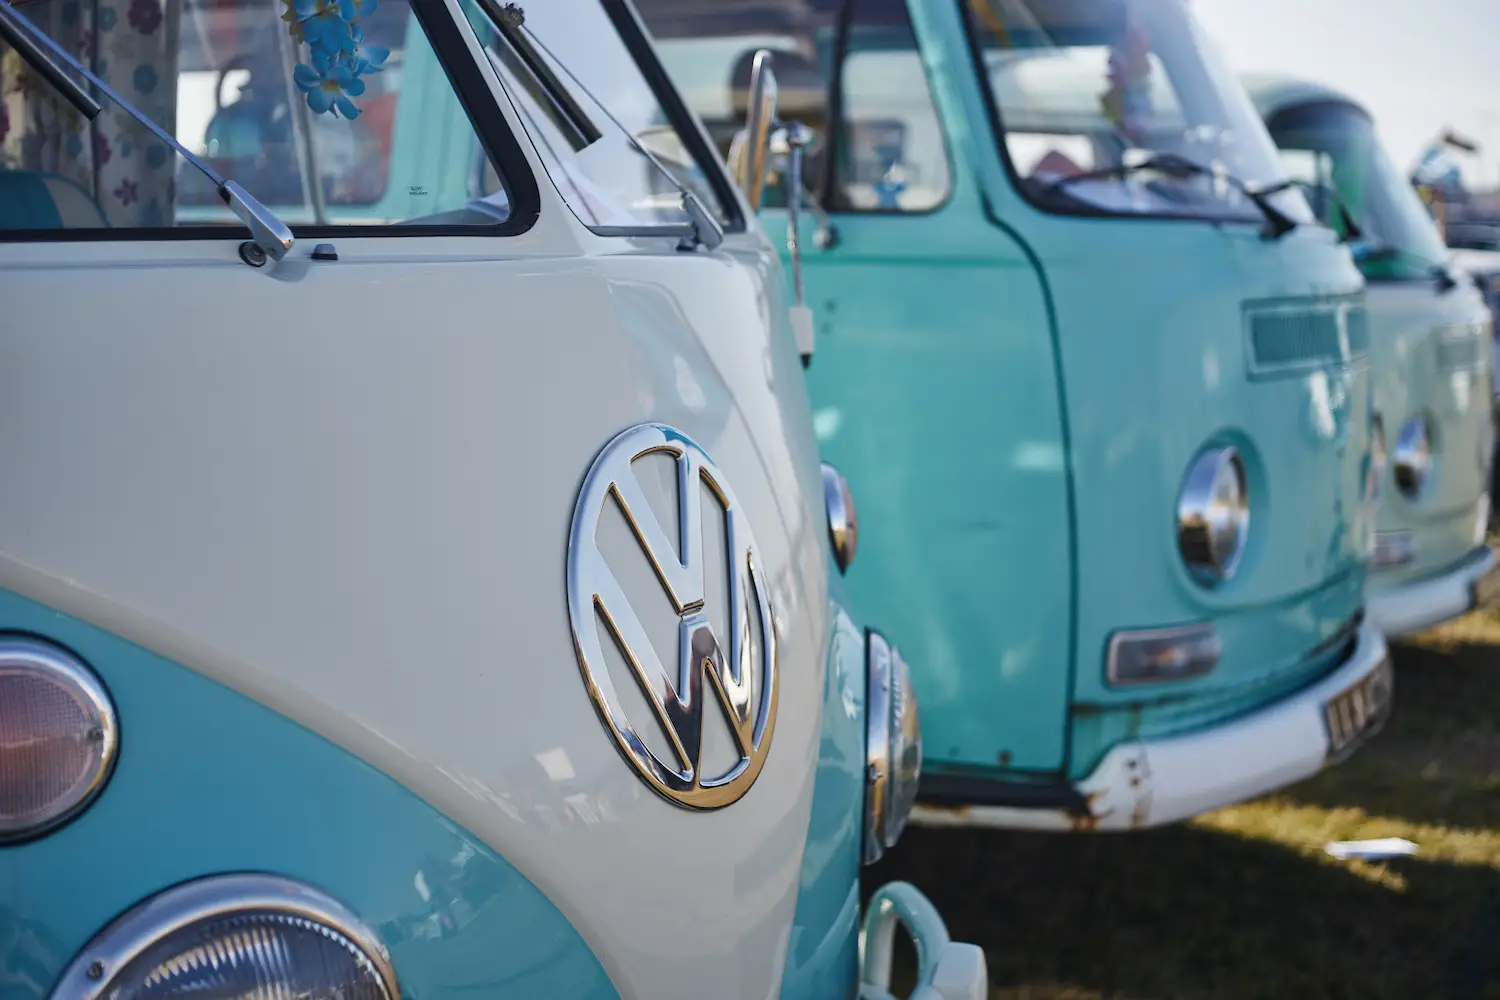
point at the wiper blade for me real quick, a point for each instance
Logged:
(270, 235)
(1181, 168)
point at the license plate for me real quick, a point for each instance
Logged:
(1359, 710)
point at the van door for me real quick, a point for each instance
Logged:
(934, 382)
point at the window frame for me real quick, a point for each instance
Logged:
(632, 31)
(496, 139)
(1279, 118)
(1075, 208)
(830, 190)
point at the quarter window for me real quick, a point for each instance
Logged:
(615, 154)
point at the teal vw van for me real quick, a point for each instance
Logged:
(1100, 380)
(1430, 353)
(417, 572)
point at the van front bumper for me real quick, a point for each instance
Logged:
(1146, 783)
(1473, 582)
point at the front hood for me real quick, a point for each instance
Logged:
(1430, 356)
(1163, 353)
(348, 496)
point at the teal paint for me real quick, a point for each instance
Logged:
(1015, 396)
(209, 781)
(823, 951)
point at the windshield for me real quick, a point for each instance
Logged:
(328, 112)
(1333, 149)
(1086, 86)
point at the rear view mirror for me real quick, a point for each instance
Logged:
(748, 159)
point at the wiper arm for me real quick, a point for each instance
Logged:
(269, 236)
(18, 39)
(1352, 229)
(1181, 168)
(702, 228)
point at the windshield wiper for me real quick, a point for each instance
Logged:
(269, 236)
(1182, 168)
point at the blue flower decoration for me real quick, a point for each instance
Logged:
(370, 59)
(325, 24)
(332, 31)
(329, 85)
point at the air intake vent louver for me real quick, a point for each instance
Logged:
(1457, 348)
(1285, 339)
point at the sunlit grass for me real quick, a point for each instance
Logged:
(1245, 902)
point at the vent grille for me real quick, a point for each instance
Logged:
(1457, 347)
(1297, 338)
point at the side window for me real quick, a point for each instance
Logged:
(616, 155)
(892, 156)
(890, 150)
(328, 112)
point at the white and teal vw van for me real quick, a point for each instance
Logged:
(415, 568)
(1099, 381)
(1430, 348)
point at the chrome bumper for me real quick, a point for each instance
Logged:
(1146, 783)
(1419, 604)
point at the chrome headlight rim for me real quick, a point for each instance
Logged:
(843, 519)
(93, 972)
(26, 654)
(1208, 559)
(893, 747)
(1412, 458)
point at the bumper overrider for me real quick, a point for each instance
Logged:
(1472, 582)
(1147, 783)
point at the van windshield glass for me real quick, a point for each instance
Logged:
(1334, 150)
(1095, 86)
(327, 112)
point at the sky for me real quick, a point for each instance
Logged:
(1417, 65)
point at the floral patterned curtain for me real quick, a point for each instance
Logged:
(130, 44)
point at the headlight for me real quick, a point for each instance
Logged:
(1413, 457)
(843, 522)
(1213, 515)
(233, 936)
(893, 748)
(57, 737)
(1376, 476)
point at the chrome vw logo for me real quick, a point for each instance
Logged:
(743, 683)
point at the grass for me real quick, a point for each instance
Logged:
(1244, 903)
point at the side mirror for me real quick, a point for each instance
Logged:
(748, 160)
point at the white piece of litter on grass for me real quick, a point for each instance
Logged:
(1371, 850)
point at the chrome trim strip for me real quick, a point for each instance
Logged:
(89, 975)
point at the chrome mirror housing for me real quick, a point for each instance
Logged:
(750, 151)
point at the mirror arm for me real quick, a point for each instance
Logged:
(797, 138)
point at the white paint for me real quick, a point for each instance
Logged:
(344, 490)
(1420, 604)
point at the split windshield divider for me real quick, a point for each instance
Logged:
(701, 229)
(269, 236)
